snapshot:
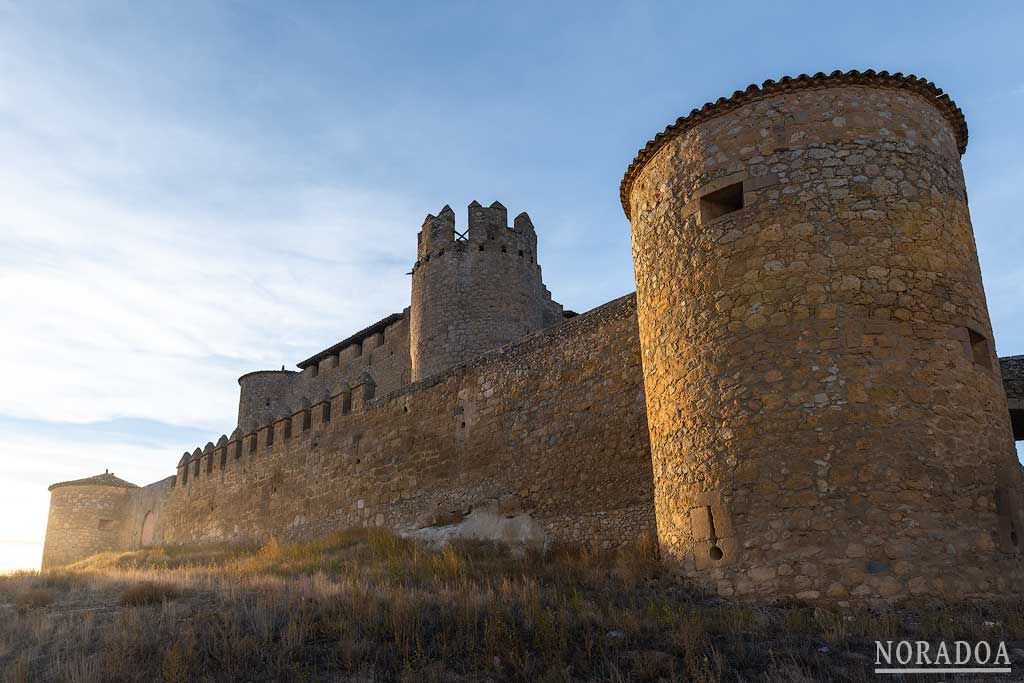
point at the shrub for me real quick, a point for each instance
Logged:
(149, 593)
(33, 598)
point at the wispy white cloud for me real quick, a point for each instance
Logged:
(135, 281)
(122, 308)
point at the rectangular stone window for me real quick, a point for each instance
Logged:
(721, 202)
(979, 349)
(106, 523)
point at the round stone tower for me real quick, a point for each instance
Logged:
(262, 396)
(474, 291)
(87, 516)
(826, 414)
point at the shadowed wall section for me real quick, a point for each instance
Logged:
(549, 430)
(1013, 381)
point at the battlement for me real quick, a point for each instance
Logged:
(476, 289)
(486, 225)
(341, 410)
(298, 415)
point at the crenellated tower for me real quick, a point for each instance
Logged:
(475, 290)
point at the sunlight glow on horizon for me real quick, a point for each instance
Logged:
(20, 556)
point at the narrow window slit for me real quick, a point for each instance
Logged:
(721, 202)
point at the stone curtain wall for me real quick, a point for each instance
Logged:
(267, 395)
(84, 520)
(549, 429)
(827, 419)
(1013, 381)
(143, 501)
(1013, 377)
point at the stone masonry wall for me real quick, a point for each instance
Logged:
(549, 429)
(1012, 369)
(384, 356)
(145, 500)
(827, 418)
(474, 293)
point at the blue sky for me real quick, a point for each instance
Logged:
(189, 191)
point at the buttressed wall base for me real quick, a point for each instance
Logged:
(802, 399)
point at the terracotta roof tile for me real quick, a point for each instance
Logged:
(786, 84)
(105, 479)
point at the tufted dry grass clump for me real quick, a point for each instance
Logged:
(367, 605)
(149, 593)
(33, 598)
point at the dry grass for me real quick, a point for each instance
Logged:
(367, 605)
(149, 593)
(33, 598)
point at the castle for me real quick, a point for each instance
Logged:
(802, 399)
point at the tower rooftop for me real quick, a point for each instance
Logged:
(105, 479)
(787, 84)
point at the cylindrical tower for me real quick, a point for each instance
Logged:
(87, 516)
(262, 396)
(475, 291)
(825, 408)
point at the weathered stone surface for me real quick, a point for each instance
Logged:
(547, 433)
(820, 355)
(86, 517)
(476, 290)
